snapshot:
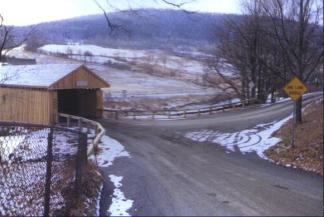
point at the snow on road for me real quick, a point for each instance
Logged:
(120, 204)
(257, 139)
(110, 150)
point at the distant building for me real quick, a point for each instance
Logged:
(19, 61)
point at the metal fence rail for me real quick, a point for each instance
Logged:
(38, 163)
(172, 113)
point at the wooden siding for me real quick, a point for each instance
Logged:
(100, 106)
(53, 101)
(83, 76)
(25, 105)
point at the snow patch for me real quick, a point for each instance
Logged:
(98, 201)
(257, 139)
(110, 150)
(120, 205)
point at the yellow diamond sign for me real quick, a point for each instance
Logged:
(295, 89)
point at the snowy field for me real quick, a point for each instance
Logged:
(257, 139)
(23, 171)
(139, 86)
(96, 54)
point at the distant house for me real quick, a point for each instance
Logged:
(36, 93)
(19, 61)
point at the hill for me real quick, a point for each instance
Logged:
(145, 28)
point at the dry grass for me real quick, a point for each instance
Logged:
(307, 153)
(86, 205)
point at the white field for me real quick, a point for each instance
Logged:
(138, 83)
(150, 57)
(138, 89)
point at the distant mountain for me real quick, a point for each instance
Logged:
(141, 28)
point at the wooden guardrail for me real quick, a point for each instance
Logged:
(172, 113)
(89, 125)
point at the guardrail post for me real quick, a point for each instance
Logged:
(169, 114)
(79, 123)
(56, 118)
(68, 120)
(199, 112)
(96, 130)
(153, 115)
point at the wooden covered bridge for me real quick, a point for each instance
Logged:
(37, 93)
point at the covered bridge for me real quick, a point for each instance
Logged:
(36, 93)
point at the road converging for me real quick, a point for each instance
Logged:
(169, 174)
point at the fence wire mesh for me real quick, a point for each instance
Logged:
(24, 161)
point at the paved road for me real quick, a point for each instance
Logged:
(170, 175)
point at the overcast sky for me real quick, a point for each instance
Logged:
(25, 12)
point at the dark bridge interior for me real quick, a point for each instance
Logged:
(80, 102)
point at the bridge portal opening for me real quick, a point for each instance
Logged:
(79, 102)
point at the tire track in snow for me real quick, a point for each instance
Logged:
(257, 139)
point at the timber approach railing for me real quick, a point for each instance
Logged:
(99, 131)
(173, 113)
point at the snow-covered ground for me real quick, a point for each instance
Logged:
(143, 89)
(284, 99)
(96, 54)
(110, 150)
(23, 171)
(206, 105)
(140, 85)
(257, 139)
(153, 61)
(91, 50)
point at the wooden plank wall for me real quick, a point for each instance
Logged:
(83, 75)
(25, 105)
(100, 106)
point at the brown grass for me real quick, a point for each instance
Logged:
(87, 202)
(307, 153)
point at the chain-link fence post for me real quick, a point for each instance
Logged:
(80, 162)
(49, 161)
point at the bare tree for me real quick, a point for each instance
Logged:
(5, 37)
(8, 39)
(241, 43)
(295, 30)
(114, 26)
(275, 41)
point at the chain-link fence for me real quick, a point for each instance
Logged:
(40, 168)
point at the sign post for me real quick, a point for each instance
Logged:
(295, 89)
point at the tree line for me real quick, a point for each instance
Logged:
(275, 41)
